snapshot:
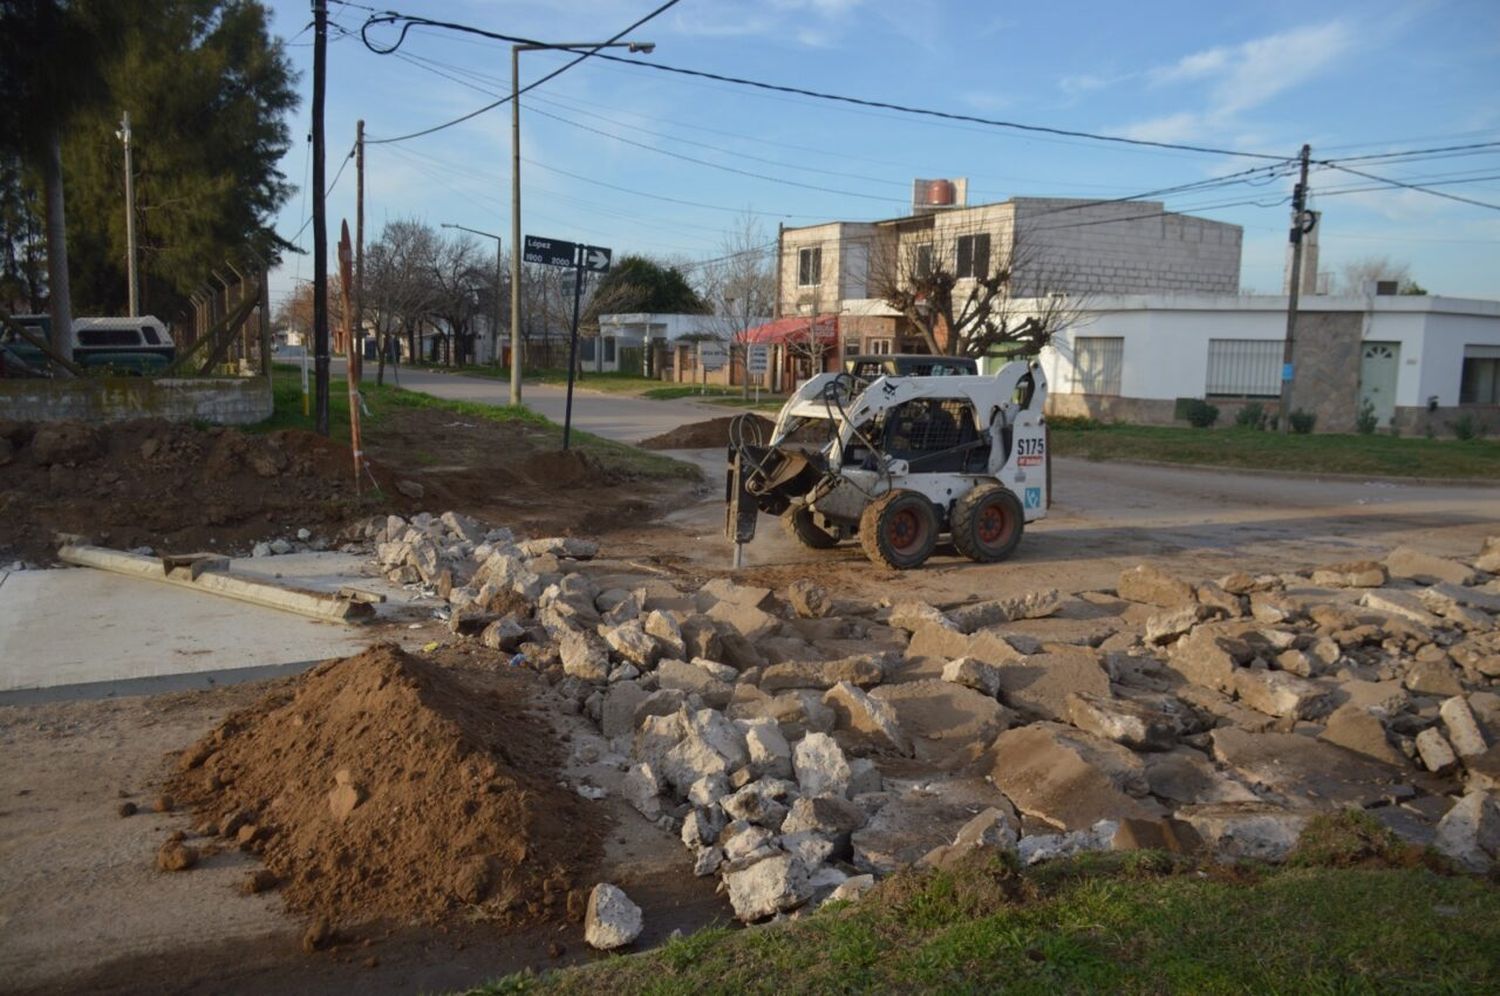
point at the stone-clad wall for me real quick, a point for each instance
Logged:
(223, 400)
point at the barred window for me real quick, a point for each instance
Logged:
(1244, 368)
(1097, 364)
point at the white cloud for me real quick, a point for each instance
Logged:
(1169, 128)
(814, 23)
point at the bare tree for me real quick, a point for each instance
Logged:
(739, 285)
(460, 274)
(400, 291)
(1357, 274)
(983, 292)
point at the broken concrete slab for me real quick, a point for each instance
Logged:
(612, 920)
(1185, 775)
(1435, 751)
(1402, 605)
(1358, 730)
(862, 671)
(986, 614)
(869, 719)
(916, 616)
(1463, 730)
(1303, 773)
(1470, 832)
(748, 621)
(1489, 556)
(770, 754)
(774, 885)
(808, 599)
(689, 678)
(1133, 724)
(986, 645)
(584, 656)
(1406, 562)
(1153, 586)
(1067, 777)
(820, 766)
(632, 644)
(1039, 687)
(641, 787)
(973, 673)
(1258, 831)
(618, 713)
(1277, 693)
(1164, 627)
(1438, 596)
(1207, 656)
(1354, 574)
(1433, 677)
(946, 723)
(920, 819)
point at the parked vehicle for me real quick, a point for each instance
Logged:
(130, 346)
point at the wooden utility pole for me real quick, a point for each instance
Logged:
(358, 323)
(320, 221)
(1301, 225)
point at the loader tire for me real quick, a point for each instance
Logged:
(987, 523)
(899, 530)
(800, 526)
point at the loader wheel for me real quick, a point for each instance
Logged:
(987, 523)
(800, 526)
(899, 529)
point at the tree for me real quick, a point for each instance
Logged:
(1357, 274)
(461, 273)
(50, 54)
(1015, 302)
(23, 257)
(400, 291)
(639, 284)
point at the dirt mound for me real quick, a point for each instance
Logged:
(703, 435)
(165, 485)
(385, 785)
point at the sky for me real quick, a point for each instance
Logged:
(642, 160)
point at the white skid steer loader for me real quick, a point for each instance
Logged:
(898, 463)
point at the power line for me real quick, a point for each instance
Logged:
(392, 17)
(1416, 152)
(1416, 187)
(326, 193)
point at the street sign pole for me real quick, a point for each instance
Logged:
(573, 347)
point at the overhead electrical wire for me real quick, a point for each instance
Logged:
(392, 17)
(1416, 187)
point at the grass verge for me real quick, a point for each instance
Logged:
(1335, 453)
(385, 400)
(1132, 922)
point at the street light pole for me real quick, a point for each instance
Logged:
(515, 189)
(130, 274)
(495, 311)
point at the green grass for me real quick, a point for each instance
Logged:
(1103, 923)
(617, 382)
(1382, 456)
(386, 399)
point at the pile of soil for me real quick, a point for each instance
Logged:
(383, 785)
(703, 435)
(166, 485)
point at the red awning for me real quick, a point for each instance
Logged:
(794, 329)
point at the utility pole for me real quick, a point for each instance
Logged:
(515, 226)
(320, 221)
(358, 324)
(130, 274)
(1301, 224)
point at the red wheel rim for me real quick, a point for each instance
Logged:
(903, 530)
(993, 525)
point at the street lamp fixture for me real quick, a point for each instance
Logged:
(644, 48)
(499, 269)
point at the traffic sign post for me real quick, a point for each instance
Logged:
(712, 355)
(557, 252)
(757, 362)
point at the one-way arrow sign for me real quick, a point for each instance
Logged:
(596, 259)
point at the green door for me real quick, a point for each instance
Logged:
(1377, 378)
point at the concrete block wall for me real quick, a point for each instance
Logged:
(1087, 248)
(221, 400)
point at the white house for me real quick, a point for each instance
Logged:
(1418, 362)
(623, 339)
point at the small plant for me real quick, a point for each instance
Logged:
(1395, 431)
(1251, 416)
(1302, 422)
(1199, 413)
(1077, 423)
(1365, 421)
(1466, 427)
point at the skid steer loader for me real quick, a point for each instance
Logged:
(897, 463)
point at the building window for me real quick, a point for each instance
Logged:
(973, 256)
(922, 261)
(1481, 376)
(609, 349)
(809, 267)
(1244, 368)
(1097, 362)
(586, 349)
(879, 347)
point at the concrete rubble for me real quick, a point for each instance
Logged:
(612, 920)
(799, 742)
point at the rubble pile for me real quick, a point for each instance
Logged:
(798, 743)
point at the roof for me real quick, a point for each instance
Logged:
(793, 329)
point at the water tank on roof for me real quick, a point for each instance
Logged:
(939, 192)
